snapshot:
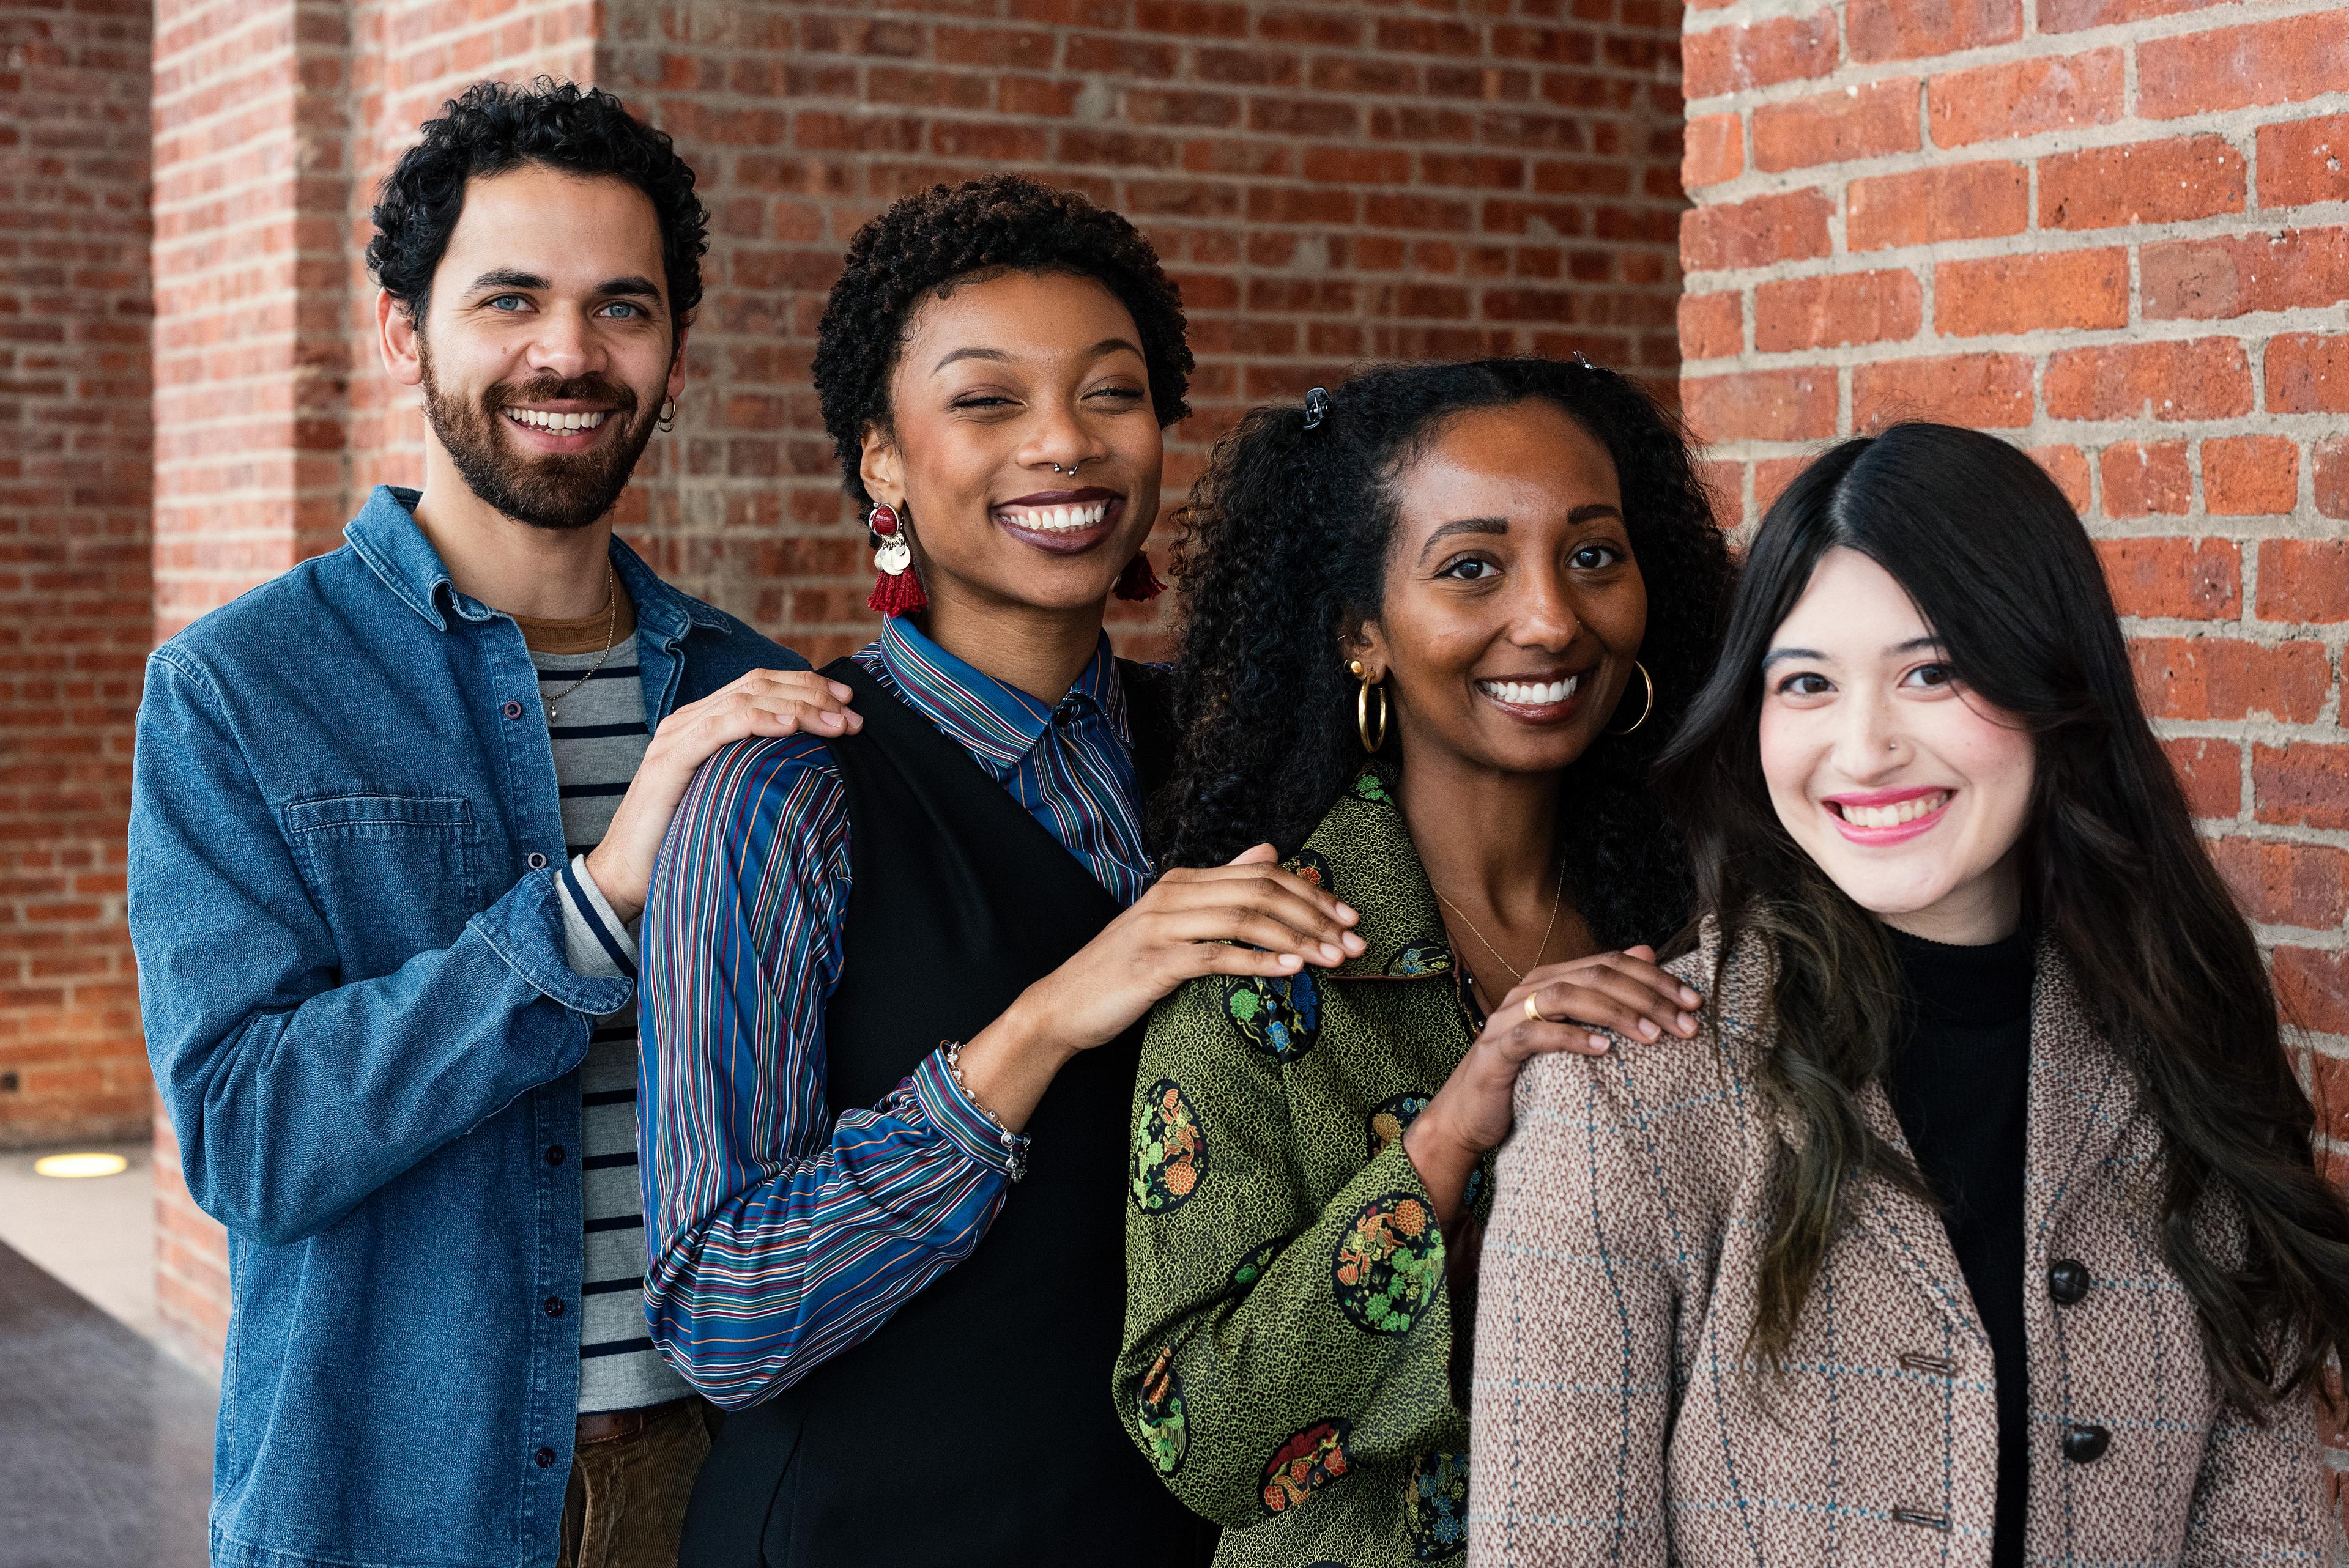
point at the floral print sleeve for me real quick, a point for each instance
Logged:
(1290, 1328)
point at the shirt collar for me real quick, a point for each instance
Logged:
(996, 724)
(383, 535)
(1362, 852)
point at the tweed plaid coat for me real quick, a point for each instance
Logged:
(1613, 1419)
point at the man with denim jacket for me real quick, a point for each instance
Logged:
(394, 816)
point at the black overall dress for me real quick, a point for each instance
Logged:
(975, 1428)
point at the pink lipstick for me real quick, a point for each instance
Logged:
(1882, 817)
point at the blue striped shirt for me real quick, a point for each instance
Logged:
(780, 1233)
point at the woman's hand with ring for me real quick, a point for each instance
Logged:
(1626, 992)
(1556, 1008)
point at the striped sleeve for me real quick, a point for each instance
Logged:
(780, 1234)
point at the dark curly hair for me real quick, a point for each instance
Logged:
(493, 126)
(925, 243)
(1285, 550)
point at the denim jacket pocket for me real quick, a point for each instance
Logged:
(395, 873)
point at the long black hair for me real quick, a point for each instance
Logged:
(2001, 571)
(1284, 552)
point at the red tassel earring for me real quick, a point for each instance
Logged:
(1137, 582)
(896, 590)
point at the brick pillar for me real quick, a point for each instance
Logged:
(250, 193)
(2114, 235)
(73, 560)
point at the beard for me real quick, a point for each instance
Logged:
(561, 492)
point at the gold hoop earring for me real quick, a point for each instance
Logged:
(1371, 743)
(666, 418)
(1648, 709)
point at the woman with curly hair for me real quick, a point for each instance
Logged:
(1982, 1226)
(1421, 660)
(893, 983)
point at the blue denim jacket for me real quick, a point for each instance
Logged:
(343, 838)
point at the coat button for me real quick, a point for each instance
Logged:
(544, 1458)
(554, 1304)
(2067, 1281)
(2085, 1445)
(537, 862)
(555, 1155)
(512, 708)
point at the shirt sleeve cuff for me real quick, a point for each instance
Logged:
(599, 940)
(967, 1128)
(525, 929)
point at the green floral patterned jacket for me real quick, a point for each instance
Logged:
(1289, 1329)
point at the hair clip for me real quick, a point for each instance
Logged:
(1317, 406)
(1584, 362)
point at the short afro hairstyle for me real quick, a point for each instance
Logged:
(494, 127)
(925, 242)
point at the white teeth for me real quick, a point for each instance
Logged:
(1894, 815)
(538, 419)
(1530, 694)
(1056, 518)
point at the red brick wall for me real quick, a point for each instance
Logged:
(73, 559)
(2115, 232)
(1331, 180)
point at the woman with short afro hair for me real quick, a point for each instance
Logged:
(1438, 624)
(893, 983)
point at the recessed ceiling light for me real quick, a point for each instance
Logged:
(77, 1166)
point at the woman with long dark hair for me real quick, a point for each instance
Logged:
(1983, 1225)
(1437, 624)
(894, 981)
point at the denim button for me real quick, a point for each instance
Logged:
(544, 1458)
(537, 862)
(512, 708)
(555, 1155)
(554, 1307)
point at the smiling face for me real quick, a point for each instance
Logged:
(547, 349)
(1909, 791)
(1514, 609)
(1002, 388)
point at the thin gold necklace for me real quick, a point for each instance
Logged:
(611, 626)
(1515, 974)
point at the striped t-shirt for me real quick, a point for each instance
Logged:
(599, 737)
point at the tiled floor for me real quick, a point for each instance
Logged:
(97, 1233)
(105, 1443)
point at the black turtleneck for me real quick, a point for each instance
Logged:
(1959, 1083)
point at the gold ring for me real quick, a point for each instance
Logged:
(1533, 1009)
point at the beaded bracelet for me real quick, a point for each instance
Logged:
(1015, 1148)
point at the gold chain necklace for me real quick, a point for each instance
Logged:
(1515, 974)
(612, 597)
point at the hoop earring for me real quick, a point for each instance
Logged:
(1651, 707)
(1371, 743)
(666, 418)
